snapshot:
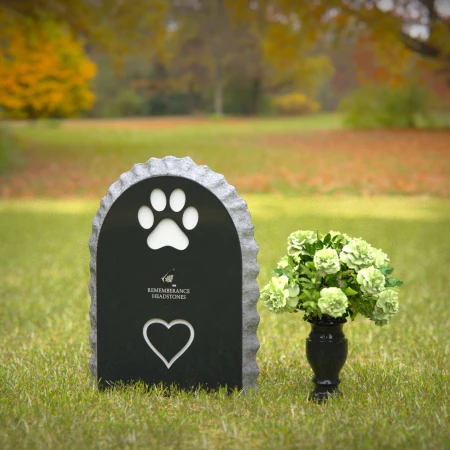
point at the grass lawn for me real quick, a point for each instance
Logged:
(395, 383)
(294, 156)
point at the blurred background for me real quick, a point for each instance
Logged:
(112, 58)
(151, 70)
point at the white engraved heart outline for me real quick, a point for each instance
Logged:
(169, 326)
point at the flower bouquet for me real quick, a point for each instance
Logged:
(331, 277)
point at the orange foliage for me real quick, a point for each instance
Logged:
(384, 60)
(43, 71)
(381, 59)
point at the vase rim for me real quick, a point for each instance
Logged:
(328, 321)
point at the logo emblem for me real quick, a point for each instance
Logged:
(168, 277)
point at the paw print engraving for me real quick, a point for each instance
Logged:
(167, 233)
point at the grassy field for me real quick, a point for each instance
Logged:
(295, 174)
(297, 156)
(395, 383)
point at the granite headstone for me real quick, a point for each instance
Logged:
(173, 280)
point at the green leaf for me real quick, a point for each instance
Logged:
(278, 272)
(392, 282)
(349, 291)
(309, 303)
(306, 270)
(310, 248)
(348, 273)
(327, 239)
(386, 270)
(331, 281)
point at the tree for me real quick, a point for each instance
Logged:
(43, 71)
(281, 49)
(116, 26)
(266, 45)
(421, 26)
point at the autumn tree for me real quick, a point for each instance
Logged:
(115, 26)
(43, 71)
(108, 26)
(263, 44)
(421, 27)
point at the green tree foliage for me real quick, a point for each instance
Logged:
(376, 106)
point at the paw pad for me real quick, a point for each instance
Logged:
(167, 233)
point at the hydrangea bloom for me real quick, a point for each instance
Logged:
(333, 302)
(343, 237)
(297, 240)
(371, 280)
(279, 296)
(386, 307)
(379, 257)
(327, 261)
(357, 254)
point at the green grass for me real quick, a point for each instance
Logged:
(395, 383)
(89, 135)
(9, 153)
(293, 156)
(207, 140)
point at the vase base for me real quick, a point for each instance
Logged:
(321, 395)
(326, 352)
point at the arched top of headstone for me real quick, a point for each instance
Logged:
(238, 211)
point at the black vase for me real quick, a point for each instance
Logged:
(326, 351)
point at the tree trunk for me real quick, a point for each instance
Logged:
(192, 101)
(218, 91)
(218, 36)
(255, 96)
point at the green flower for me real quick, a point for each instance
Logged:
(327, 261)
(342, 236)
(333, 302)
(386, 307)
(371, 281)
(289, 269)
(278, 296)
(283, 262)
(297, 241)
(379, 257)
(357, 254)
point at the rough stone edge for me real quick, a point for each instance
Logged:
(237, 208)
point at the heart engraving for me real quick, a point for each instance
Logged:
(168, 326)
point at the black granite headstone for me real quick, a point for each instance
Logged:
(173, 280)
